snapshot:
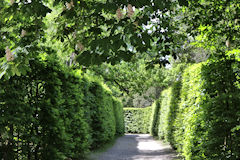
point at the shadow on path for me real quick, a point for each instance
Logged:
(137, 147)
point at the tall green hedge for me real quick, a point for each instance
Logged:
(137, 120)
(189, 116)
(155, 118)
(164, 111)
(199, 114)
(55, 113)
(119, 119)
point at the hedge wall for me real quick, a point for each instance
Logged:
(137, 120)
(200, 114)
(119, 118)
(155, 118)
(163, 124)
(55, 113)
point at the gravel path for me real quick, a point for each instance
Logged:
(137, 147)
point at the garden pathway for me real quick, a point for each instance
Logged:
(137, 147)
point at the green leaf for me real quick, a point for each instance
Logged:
(183, 2)
(2, 74)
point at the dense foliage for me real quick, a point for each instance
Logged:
(111, 31)
(129, 76)
(154, 118)
(119, 118)
(97, 31)
(135, 85)
(217, 22)
(55, 113)
(199, 114)
(137, 120)
(166, 106)
(52, 111)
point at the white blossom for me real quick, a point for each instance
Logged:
(72, 3)
(12, 2)
(74, 35)
(79, 46)
(73, 55)
(130, 10)
(23, 33)
(228, 43)
(69, 5)
(9, 55)
(119, 14)
(236, 21)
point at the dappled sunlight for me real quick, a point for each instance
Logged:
(77, 75)
(147, 144)
(137, 147)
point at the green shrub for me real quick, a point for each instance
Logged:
(137, 120)
(55, 113)
(174, 103)
(209, 111)
(190, 113)
(119, 119)
(221, 109)
(166, 107)
(169, 100)
(103, 112)
(75, 123)
(200, 114)
(155, 118)
(103, 120)
(33, 107)
(164, 114)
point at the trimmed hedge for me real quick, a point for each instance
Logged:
(137, 120)
(55, 113)
(163, 124)
(199, 115)
(119, 118)
(154, 118)
(102, 115)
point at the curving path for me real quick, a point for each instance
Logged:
(137, 147)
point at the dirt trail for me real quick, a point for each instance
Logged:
(137, 147)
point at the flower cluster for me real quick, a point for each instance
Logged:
(228, 43)
(9, 55)
(130, 10)
(119, 13)
(74, 35)
(79, 46)
(69, 5)
(12, 2)
(23, 33)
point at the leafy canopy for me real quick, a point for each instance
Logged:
(110, 31)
